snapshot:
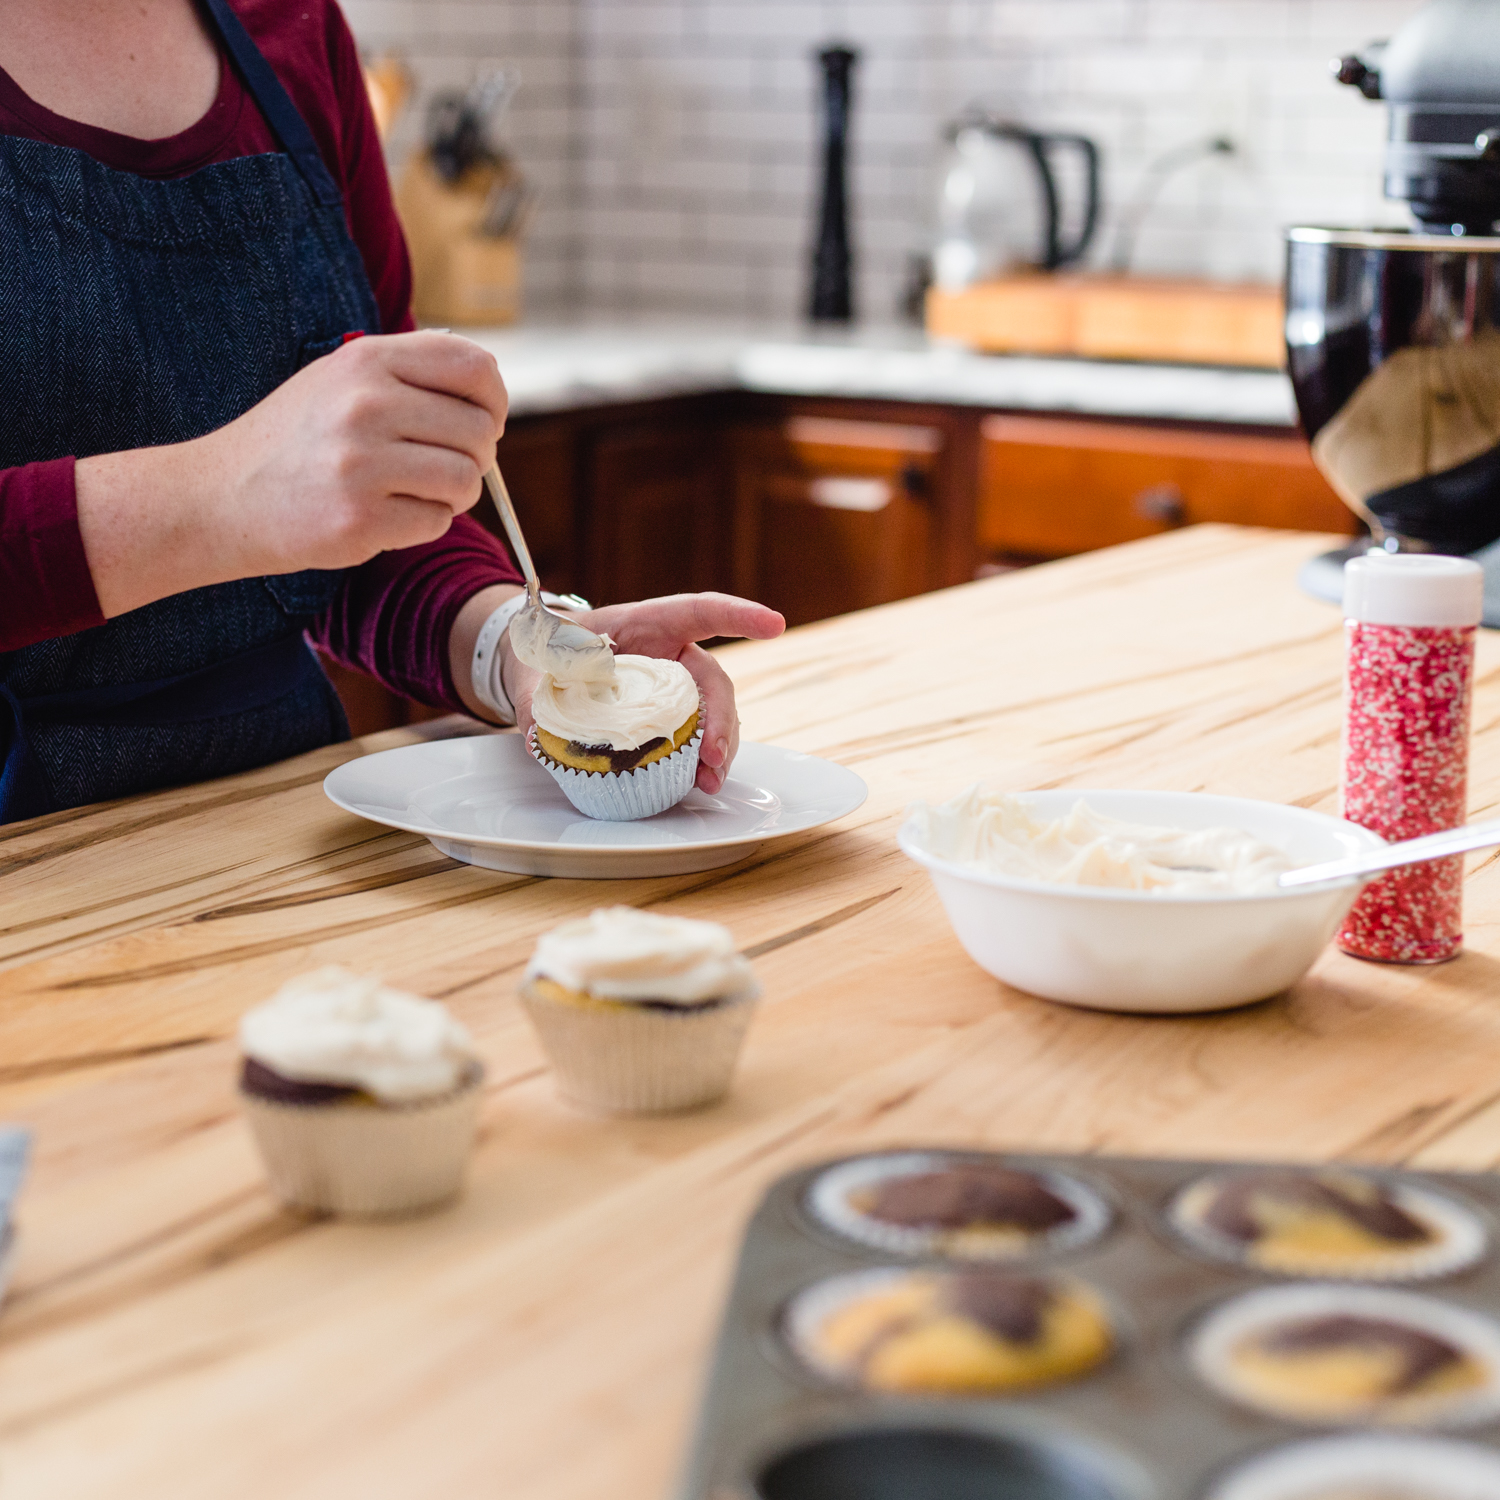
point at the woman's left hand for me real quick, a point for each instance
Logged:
(671, 628)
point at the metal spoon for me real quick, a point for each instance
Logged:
(544, 640)
(1408, 852)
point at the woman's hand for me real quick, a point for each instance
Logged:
(671, 628)
(376, 446)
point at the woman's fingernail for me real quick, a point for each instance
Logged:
(721, 751)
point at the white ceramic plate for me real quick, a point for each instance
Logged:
(485, 801)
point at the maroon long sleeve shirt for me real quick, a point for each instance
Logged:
(393, 615)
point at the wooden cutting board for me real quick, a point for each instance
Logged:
(1114, 317)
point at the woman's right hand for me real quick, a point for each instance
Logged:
(374, 447)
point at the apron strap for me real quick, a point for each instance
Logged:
(275, 103)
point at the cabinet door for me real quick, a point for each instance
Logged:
(655, 508)
(1051, 486)
(833, 515)
(539, 461)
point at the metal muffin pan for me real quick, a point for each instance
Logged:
(1142, 1426)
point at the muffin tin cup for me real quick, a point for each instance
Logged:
(1377, 1464)
(362, 1160)
(829, 1205)
(1461, 1239)
(1143, 1423)
(623, 1058)
(625, 796)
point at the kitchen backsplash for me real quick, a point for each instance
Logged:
(674, 141)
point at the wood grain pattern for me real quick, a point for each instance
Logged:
(171, 1333)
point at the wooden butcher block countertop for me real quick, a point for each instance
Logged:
(172, 1333)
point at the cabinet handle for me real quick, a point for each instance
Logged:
(1163, 503)
(849, 493)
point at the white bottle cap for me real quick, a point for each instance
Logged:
(1413, 588)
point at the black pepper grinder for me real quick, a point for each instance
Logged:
(832, 299)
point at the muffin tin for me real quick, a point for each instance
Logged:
(1149, 1423)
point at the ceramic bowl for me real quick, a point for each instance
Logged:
(1132, 951)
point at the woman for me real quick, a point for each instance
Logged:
(199, 461)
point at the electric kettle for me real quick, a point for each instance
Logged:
(999, 208)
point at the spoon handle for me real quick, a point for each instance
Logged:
(1408, 852)
(500, 497)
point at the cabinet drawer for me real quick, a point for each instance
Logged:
(1050, 487)
(833, 515)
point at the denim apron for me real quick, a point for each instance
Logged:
(135, 313)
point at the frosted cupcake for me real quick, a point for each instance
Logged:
(640, 1013)
(363, 1100)
(623, 748)
(969, 1332)
(1324, 1353)
(1327, 1222)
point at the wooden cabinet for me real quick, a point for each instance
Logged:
(1050, 486)
(833, 515)
(657, 511)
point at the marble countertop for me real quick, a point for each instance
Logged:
(566, 368)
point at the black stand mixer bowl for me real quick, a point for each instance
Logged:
(1393, 347)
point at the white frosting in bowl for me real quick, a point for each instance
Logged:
(998, 833)
(619, 953)
(333, 1026)
(648, 698)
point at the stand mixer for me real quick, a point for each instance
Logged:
(1393, 336)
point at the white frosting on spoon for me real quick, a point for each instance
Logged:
(648, 698)
(619, 953)
(560, 647)
(332, 1026)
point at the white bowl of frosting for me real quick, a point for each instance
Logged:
(1135, 901)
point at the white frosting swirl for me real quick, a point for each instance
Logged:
(647, 698)
(619, 953)
(997, 832)
(332, 1026)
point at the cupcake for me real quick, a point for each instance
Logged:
(1327, 1223)
(1341, 1354)
(1366, 1466)
(363, 1100)
(958, 1332)
(640, 1013)
(623, 748)
(965, 1208)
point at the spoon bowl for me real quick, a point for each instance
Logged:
(541, 638)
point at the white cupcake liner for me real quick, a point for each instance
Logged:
(828, 1201)
(622, 1058)
(1380, 1463)
(624, 796)
(1219, 1335)
(1460, 1236)
(364, 1160)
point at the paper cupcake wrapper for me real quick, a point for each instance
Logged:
(365, 1160)
(628, 1059)
(624, 796)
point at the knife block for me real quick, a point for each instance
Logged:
(459, 275)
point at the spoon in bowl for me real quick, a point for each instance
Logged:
(542, 639)
(1408, 852)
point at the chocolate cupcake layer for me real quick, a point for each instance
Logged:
(968, 1195)
(265, 1083)
(619, 760)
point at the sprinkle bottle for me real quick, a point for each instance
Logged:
(1409, 625)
